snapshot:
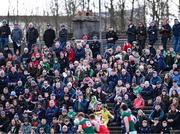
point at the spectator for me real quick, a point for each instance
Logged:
(81, 105)
(173, 117)
(31, 36)
(111, 37)
(95, 47)
(43, 125)
(16, 36)
(49, 36)
(165, 33)
(156, 114)
(176, 34)
(152, 33)
(4, 34)
(26, 127)
(138, 102)
(63, 36)
(141, 35)
(131, 32)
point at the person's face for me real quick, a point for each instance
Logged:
(144, 123)
(43, 121)
(164, 123)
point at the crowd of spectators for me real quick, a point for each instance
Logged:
(43, 90)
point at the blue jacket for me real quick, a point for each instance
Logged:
(79, 54)
(176, 29)
(51, 112)
(131, 32)
(81, 106)
(176, 78)
(16, 35)
(125, 78)
(154, 80)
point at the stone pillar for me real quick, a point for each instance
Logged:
(85, 25)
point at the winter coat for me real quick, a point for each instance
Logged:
(141, 33)
(5, 31)
(63, 34)
(147, 93)
(131, 33)
(166, 31)
(125, 78)
(156, 114)
(152, 34)
(51, 112)
(81, 106)
(79, 54)
(26, 128)
(138, 103)
(95, 47)
(70, 55)
(111, 34)
(176, 29)
(155, 80)
(49, 36)
(32, 35)
(16, 35)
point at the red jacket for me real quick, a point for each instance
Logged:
(138, 103)
(71, 55)
(126, 46)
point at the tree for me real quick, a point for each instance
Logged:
(112, 14)
(132, 10)
(160, 9)
(71, 7)
(121, 14)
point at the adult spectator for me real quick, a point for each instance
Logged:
(80, 52)
(176, 34)
(4, 34)
(152, 33)
(16, 36)
(138, 102)
(141, 35)
(131, 32)
(52, 111)
(173, 117)
(81, 105)
(165, 32)
(95, 47)
(156, 114)
(26, 127)
(111, 37)
(43, 125)
(49, 36)
(63, 36)
(31, 36)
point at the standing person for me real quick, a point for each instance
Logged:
(176, 34)
(141, 35)
(131, 32)
(84, 124)
(165, 32)
(152, 33)
(16, 36)
(63, 36)
(111, 37)
(128, 120)
(4, 34)
(31, 36)
(95, 47)
(49, 36)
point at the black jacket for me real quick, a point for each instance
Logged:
(63, 35)
(49, 36)
(152, 34)
(32, 35)
(166, 31)
(141, 33)
(131, 33)
(5, 31)
(111, 34)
